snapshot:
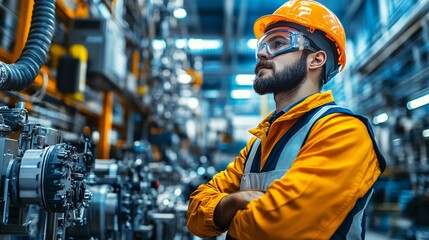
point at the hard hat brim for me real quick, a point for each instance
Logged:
(263, 22)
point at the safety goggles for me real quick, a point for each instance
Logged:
(283, 41)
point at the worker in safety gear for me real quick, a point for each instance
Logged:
(308, 171)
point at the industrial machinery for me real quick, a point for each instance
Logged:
(42, 179)
(43, 188)
(118, 205)
(55, 190)
(128, 201)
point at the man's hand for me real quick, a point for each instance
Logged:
(229, 205)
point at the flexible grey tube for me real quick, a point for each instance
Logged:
(19, 75)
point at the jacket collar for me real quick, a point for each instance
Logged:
(311, 102)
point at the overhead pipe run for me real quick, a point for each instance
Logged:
(19, 75)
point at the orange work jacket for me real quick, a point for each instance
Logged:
(335, 167)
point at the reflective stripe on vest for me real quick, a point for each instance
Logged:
(262, 180)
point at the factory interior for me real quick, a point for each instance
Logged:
(130, 105)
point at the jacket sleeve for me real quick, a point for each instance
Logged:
(336, 166)
(204, 200)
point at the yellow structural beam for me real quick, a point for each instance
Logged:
(105, 126)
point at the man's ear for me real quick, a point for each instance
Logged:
(317, 59)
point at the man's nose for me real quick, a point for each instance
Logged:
(263, 53)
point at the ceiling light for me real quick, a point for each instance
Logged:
(180, 13)
(381, 118)
(244, 79)
(425, 133)
(418, 102)
(158, 44)
(184, 78)
(251, 43)
(180, 43)
(204, 44)
(193, 103)
(241, 94)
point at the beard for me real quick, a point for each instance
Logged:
(286, 80)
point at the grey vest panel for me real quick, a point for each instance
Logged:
(261, 181)
(356, 227)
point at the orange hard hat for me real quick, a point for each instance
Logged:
(311, 15)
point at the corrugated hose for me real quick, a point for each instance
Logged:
(18, 76)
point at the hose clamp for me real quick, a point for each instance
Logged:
(3, 76)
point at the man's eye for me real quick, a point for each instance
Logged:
(279, 44)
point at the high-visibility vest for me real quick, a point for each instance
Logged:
(284, 154)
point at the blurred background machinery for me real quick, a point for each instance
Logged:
(114, 111)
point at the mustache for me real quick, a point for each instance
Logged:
(263, 64)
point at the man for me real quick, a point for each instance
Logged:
(309, 170)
